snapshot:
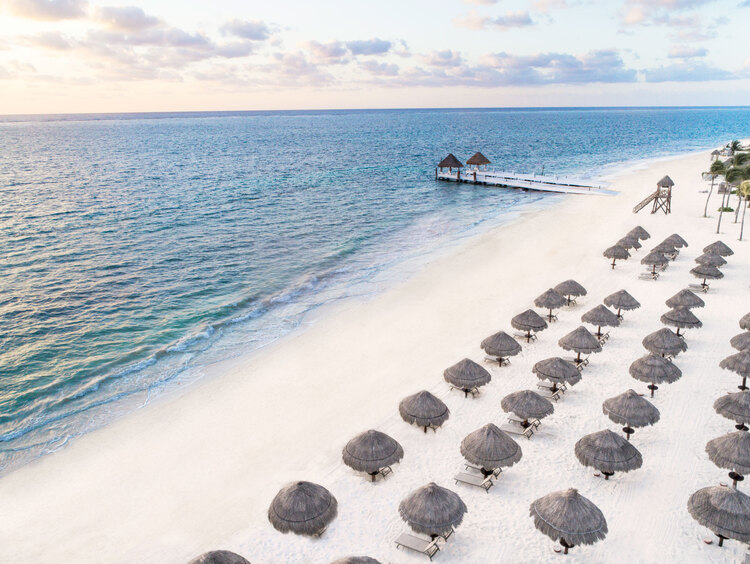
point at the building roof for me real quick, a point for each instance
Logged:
(450, 162)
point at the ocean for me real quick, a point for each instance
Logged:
(137, 249)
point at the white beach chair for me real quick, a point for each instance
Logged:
(496, 472)
(549, 387)
(699, 288)
(501, 361)
(516, 421)
(474, 392)
(528, 432)
(428, 548)
(474, 480)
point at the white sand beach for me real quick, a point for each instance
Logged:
(197, 471)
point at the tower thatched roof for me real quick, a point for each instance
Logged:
(478, 159)
(450, 162)
(665, 182)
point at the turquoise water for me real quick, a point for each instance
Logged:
(137, 249)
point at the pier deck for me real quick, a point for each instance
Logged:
(560, 185)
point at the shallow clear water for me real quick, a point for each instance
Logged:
(136, 249)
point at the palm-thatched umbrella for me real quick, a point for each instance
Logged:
(741, 342)
(526, 405)
(666, 247)
(490, 449)
(529, 321)
(724, 510)
(682, 318)
(739, 363)
(629, 242)
(622, 301)
(450, 162)
(432, 510)
(678, 241)
(219, 557)
(580, 341)
(303, 508)
(711, 259)
(664, 342)
(424, 409)
(631, 410)
(720, 248)
(654, 259)
(654, 369)
(731, 451)
(550, 300)
(478, 159)
(558, 371)
(616, 252)
(608, 452)
(467, 375)
(601, 317)
(501, 346)
(570, 289)
(372, 451)
(356, 560)
(685, 298)
(736, 407)
(745, 322)
(568, 517)
(706, 272)
(639, 232)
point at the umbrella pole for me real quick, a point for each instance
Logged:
(678, 332)
(578, 358)
(721, 539)
(736, 478)
(741, 427)
(613, 267)
(619, 315)
(653, 387)
(628, 431)
(528, 335)
(743, 387)
(565, 545)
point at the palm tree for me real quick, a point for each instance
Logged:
(744, 174)
(717, 169)
(744, 191)
(735, 146)
(733, 176)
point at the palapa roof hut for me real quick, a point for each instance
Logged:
(529, 321)
(665, 182)
(601, 317)
(745, 322)
(677, 241)
(356, 560)
(501, 346)
(581, 342)
(724, 510)
(477, 160)
(490, 448)
(631, 410)
(706, 272)
(736, 407)
(719, 248)
(219, 557)
(557, 371)
(711, 259)
(685, 298)
(608, 452)
(640, 233)
(654, 259)
(654, 369)
(550, 300)
(739, 363)
(568, 517)
(424, 409)
(432, 510)
(666, 247)
(731, 451)
(622, 301)
(570, 289)
(741, 342)
(450, 162)
(468, 376)
(664, 342)
(526, 405)
(616, 252)
(372, 451)
(629, 242)
(303, 508)
(682, 318)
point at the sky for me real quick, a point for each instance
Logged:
(65, 56)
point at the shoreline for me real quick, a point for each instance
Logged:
(203, 463)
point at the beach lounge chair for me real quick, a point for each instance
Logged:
(527, 337)
(519, 431)
(549, 394)
(467, 391)
(496, 472)
(384, 471)
(474, 480)
(497, 360)
(428, 548)
(549, 387)
(516, 421)
(579, 364)
(699, 288)
(603, 338)
(648, 275)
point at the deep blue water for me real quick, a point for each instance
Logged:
(135, 249)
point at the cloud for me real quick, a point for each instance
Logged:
(545, 6)
(445, 58)
(649, 12)
(47, 10)
(331, 53)
(474, 20)
(687, 52)
(53, 40)
(483, 2)
(512, 19)
(369, 47)
(125, 18)
(687, 72)
(379, 69)
(254, 30)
